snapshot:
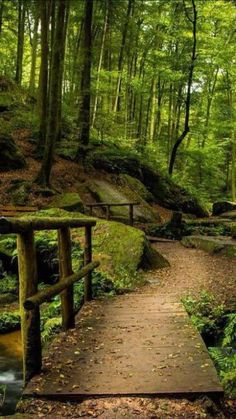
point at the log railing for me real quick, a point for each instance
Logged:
(108, 207)
(30, 299)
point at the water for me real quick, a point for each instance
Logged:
(10, 372)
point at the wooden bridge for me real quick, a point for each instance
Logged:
(135, 344)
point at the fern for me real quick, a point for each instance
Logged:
(230, 330)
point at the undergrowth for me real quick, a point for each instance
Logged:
(218, 329)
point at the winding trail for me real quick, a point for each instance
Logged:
(96, 344)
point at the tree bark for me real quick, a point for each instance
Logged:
(84, 113)
(189, 86)
(43, 177)
(20, 41)
(34, 54)
(43, 75)
(100, 64)
(121, 54)
(1, 14)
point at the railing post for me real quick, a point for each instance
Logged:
(88, 259)
(30, 320)
(108, 212)
(131, 214)
(65, 268)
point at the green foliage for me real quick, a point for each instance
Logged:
(51, 327)
(211, 321)
(225, 361)
(205, 314)
(8, 284)
(9, 321)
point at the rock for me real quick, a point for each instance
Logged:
(69, 201)
(170, 195)
(231, 215)
(223, 206)
(120, 191)
(11, 158)
(165, 191)
(219, 245)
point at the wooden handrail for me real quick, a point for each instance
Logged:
(109, 205)
(30, 298)
(44, 295)
(19, 225)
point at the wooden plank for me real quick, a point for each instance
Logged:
(130, 345)
(20, 208)
(113, 204)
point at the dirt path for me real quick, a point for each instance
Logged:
(191, 271)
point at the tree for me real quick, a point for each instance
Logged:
(186, 129)
(20, 41)
(84, 113)
(62, 10)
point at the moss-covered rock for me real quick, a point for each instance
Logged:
(231, 215)
(11, 157)
(219, 245)
(70, 201)
(223, 206)
(19, 191)
(124, 189)
(165, 191)
(119, 247)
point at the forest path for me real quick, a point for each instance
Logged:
(136, 344)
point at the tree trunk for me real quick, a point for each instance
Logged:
(43, 75)
(121, 54)
(54, 94)
(84, 114)
(34, 55)
(189, 86)
(1, 14)
(100, 65)
(20, 41)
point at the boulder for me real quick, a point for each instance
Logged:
(11, 158)
(165, 191)
(69, 201)
(230, 215)
(222, 207)
(121, 190)
(219, 245)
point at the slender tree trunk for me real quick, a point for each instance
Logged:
(121, 54)
(189, 87)
(153, 109)
(43, 75)
(54, 94)
(20, 41)
(84, 114)
(1, 14)
(100, 65)
(34, 54)
(233, 167)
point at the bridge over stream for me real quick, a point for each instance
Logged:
(134, 344)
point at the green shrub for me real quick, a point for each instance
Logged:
(51, 327)
(8, 284)
(9, 322)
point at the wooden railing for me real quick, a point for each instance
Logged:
(15, 210)
(108, 206)
(30, 299)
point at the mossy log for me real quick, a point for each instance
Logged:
(16, 225)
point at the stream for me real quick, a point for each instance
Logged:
(10, 372)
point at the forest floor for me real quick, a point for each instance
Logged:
(191, 271)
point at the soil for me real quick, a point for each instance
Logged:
(191, 271)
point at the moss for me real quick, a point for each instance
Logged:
(138, 187)
(212, 245)
(69, 201)
(121, 190)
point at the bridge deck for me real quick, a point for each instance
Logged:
(129, 345)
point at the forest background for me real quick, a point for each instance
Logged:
(156, 78)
